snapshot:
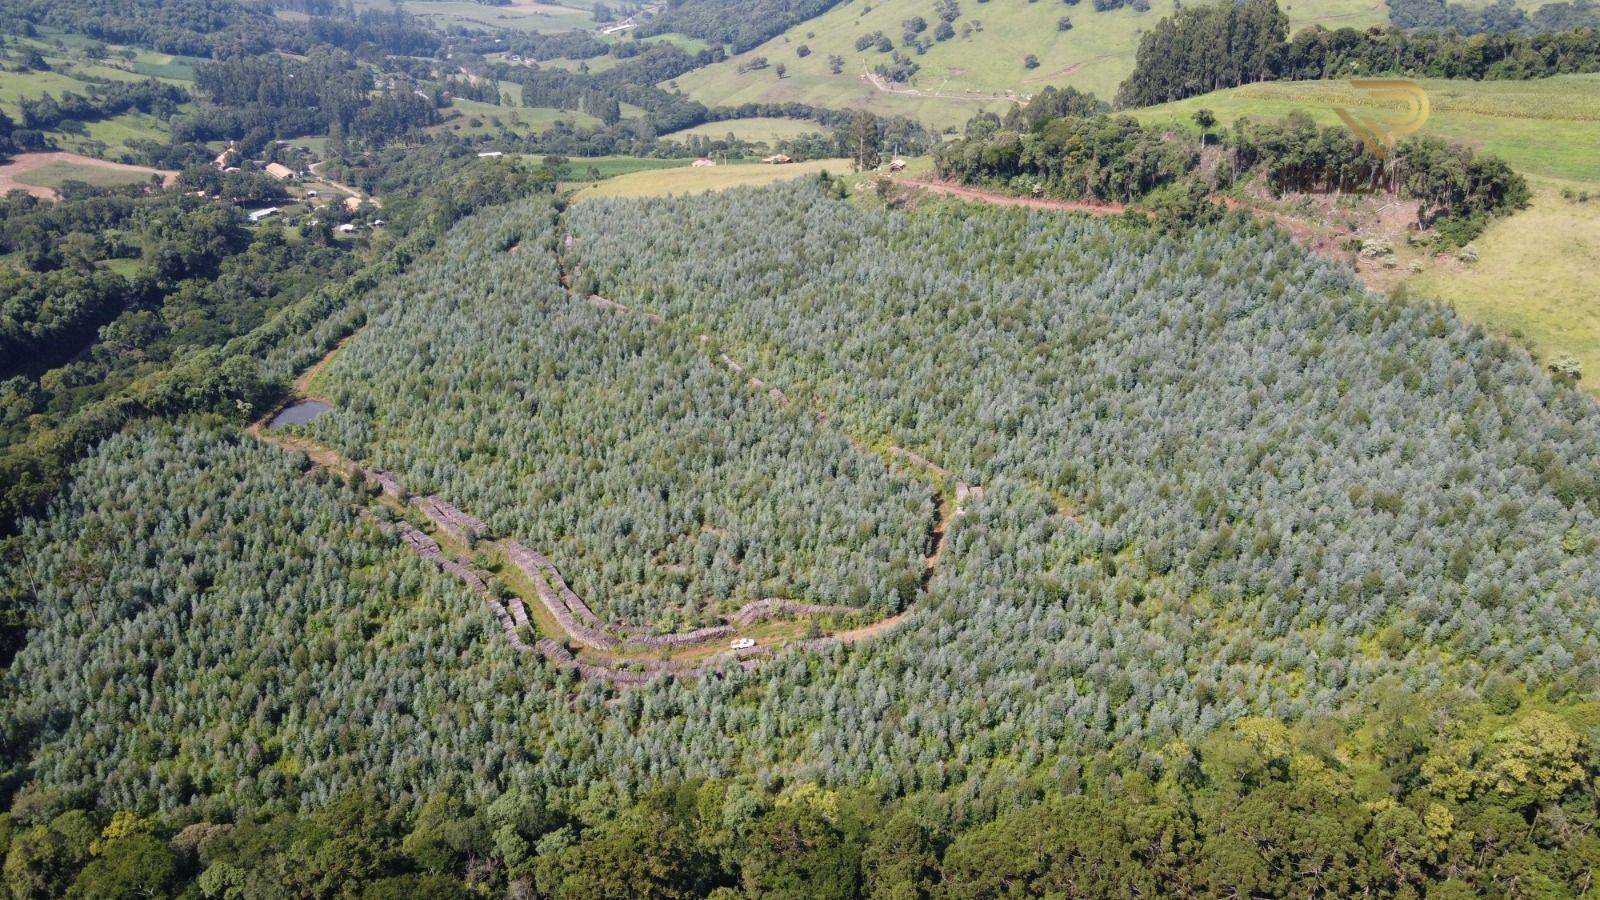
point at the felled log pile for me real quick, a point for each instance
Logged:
(572, 613)
(756, 610)
(920, 460)
(682, 638)
(507, 626)
(965, 492)
(389, 484)
(452, 521)
(533, 565)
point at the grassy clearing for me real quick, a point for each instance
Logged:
(53, 175)
(521, 15)
(470, 118)
(71, 71)
(683, 180)
(1534, 279)
(760, 128)
(964, 72)
(611, 166)
(1535, 275)
(1549, 127)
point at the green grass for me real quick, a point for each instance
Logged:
(1096, 55)
(760, 128)
(595, 65)
(318, 146)
(682, 180)
(55, 174)
(18, 86)
(1534, 279)
(127, 268)
(689, 44)
(522, 15)
(610, 166)
(1535, 276)
(520, 120)
(70, 67)
(1549, 127)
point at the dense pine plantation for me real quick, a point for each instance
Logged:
(1288, 487)
(664, 487)
(1221, 482)
(212, 627)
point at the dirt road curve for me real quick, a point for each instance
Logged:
(963, 192)
(27, 162)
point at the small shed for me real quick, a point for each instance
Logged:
(257, 215)
(777, 159)
(280, 171)
(896, 165)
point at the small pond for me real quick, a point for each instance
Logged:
(298, 414)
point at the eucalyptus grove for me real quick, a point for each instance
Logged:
(1219, 479)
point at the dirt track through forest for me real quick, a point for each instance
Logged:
(606, 643)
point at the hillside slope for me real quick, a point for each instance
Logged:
(978, 68)
(1534, 274)
(1548, 127)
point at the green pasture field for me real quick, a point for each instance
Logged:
(960, 76)
(1534, 279)
(521, 15)
(680, 180)
(1548, 127)
(760, 128)
(55, 174)
(521, 120)
(611, 166)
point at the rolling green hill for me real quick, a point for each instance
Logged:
(520, 15)
(1548, 127)
(978, 68)
(1533, 280)
(73, 70)
(758, 128)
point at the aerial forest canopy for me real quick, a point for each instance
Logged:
(1221, 480)
(670, 490)
(1230, 500)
